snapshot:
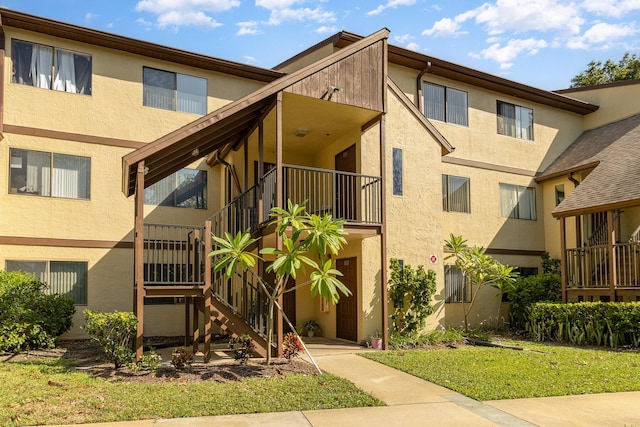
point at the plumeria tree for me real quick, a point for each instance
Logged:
(478, 270)
(308, 241)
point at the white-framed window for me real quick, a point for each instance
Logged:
(48, 67)
(517, 201)
(67, 278)
(397, 171)
(40, 173)
(186, 188)
(174, 91)
(445, 104)
(515, 121)
(559, 193)
(455, 194)
(454, 285)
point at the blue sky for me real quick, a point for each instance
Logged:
(542, 43)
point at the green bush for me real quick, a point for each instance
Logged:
(529, 290)
(411, 292)
(29, 318)
(114, 332)
(587, 323)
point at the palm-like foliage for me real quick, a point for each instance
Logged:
(308, 240)
(478, 270)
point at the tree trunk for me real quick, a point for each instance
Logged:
(270, 329)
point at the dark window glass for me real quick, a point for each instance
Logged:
(186, 188)
(397, 171)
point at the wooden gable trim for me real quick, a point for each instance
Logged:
(598, 208)
(579, 168)
(253, 104)
(395, 89)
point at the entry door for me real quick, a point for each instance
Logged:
(347, 307)
(346, 186)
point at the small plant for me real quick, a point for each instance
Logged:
(242, 347)
(114, 332)
(149, 361)
(411, 293)
(181, 358)
(311, 326)
(291, 346)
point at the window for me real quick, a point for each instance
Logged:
(454, 285)
(445, 104)
(517, 202)
(455, 194)
(50, 68)
(515, 121)
(397, 171)
(67, 278)
(39, 173)
(527, 271)
(559, 194)
(186, 188)
(174, 91)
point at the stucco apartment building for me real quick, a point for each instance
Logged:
(120, 158)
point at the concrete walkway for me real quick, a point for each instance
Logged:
(414, 402)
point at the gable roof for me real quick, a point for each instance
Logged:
(230, 123)
(436, 66)
(24, 21)
(613, 151)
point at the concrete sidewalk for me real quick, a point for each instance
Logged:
(415, 402)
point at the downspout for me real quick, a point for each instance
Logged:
(232, 170)
(424, 71)
(578, 218)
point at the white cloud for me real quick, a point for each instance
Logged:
(249, 59)
(601, 35)
(529, 15)
(177, 13)
(413, 46)
(614, 8)
(278, 16)
(403, 38)
(445, 27)
(247, 28)
(505, 55)
(89, 16)
(277, 4)
(391, 4)
(326, 30)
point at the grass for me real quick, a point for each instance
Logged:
(46, 392)
(486, 373)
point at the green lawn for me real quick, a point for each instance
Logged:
(45, 392)
(486, 373)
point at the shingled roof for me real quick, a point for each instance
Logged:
(613, 151)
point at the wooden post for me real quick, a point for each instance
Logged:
(138, 258)
(563, 258)
(383, 239)
(611, 247)
(207, 291)
(281, 203)
(260, 169)
(187, 320)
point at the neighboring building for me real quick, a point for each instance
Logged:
(363, 130)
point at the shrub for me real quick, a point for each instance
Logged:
(587, 323)
(291, 346)
(529, 290)
(450, 336)
(242, 347)
(411, 292)
(113, 332)
(181, 358)
(29, 318)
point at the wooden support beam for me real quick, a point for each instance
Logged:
(260, 169)
(208, 291)
(383, 239)
(187, 320)
(611, 247)
(281, 203)
(563, 258)
(138, 256)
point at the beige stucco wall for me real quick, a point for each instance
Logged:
(616, 102)
(115, 107)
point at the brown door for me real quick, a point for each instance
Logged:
(346, 186)
(347, 307)
(288, 299)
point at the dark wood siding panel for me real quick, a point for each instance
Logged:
(359, 76)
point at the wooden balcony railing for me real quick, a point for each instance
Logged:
(589, 267)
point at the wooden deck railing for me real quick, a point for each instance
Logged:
(589, 267)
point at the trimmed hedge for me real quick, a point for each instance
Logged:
(586, 323)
